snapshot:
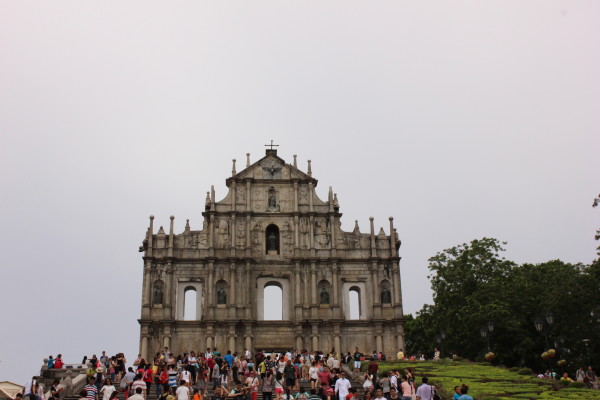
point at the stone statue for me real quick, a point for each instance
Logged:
(158, 294)
(324, 296)
(386, 296)
(221, 296)
(272, 201)
(272, 242)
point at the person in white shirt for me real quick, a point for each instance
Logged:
(137, 395)
(394, 380)
(379, 395)
(425, 391)
(183, 391)
(342, 386)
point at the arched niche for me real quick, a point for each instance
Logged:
(221, 292)
(324, 292)
(385, 294)
(272, 239)
(158, 293)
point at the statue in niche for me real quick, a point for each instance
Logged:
(158, 293)
(324, 296)
(272, 201)
(221, 296)
(272, 242)
(386, 295)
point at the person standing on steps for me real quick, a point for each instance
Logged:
(357, 356)
(342, 386)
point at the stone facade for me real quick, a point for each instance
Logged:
(271, 229)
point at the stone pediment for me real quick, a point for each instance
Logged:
(272, 167)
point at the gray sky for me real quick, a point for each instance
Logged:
(460, 119)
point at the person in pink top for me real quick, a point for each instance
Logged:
(407, 390)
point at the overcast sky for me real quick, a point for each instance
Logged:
(459, 119)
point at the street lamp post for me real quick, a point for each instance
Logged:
(542, 325)
(443, 335)
(587, 350)
(484, 334)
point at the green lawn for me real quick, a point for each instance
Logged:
(486, 382)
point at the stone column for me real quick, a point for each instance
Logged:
(337, 344)
(250, 293)
(378, 338)
(295, 196)
(296, 233)
(169, 297)
(231, 338)
(310, 197)
(232, 286)
(332, 243)
(376, 293)
(233, 196)
(311, 233)
(313, 290)
(248, 337)
(232, 233)
(248, 193)
(211, 234)
(209, 301)
(392, 238)
(373, 246)
(313, 284)
(147, 285)
(144, 343)
(170, 250)
(315, 337)
(297, 291)
(336, 293)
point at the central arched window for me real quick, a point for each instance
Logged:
(189, 303)
(273, 302)
(355, 306)
(272, 239)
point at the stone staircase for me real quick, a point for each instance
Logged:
(304, 387)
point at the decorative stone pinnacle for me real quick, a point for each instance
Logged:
(247, 159)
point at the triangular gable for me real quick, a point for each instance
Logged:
(272, 166)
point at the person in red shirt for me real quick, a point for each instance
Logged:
(351, 393)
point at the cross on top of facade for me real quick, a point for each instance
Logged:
(272, 145)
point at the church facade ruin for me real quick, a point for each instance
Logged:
(271, 229)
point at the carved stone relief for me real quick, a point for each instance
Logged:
(271, 169)
(321, 232)
(304, 229)
(241, 229)
(240, 196)
(259, 199)
(287, 239)
(222, 232)
(284, 200)
(303, 195)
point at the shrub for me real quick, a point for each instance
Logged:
(525, 371)
(577, 385)
(514, 369)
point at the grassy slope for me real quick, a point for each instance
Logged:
(487, 382)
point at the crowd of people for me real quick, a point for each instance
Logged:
(277, 376)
